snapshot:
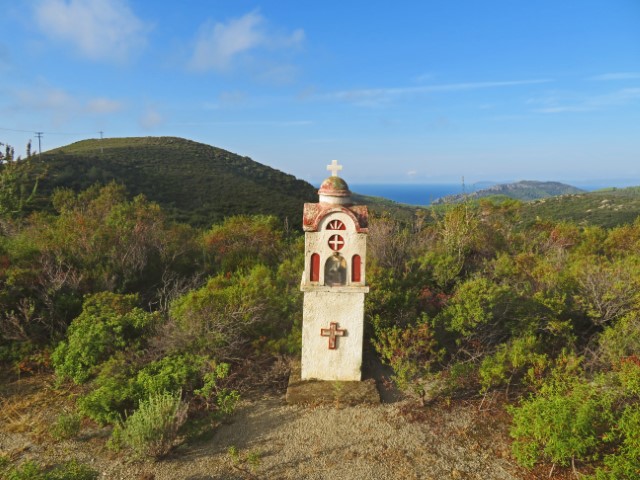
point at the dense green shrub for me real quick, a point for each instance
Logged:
(574, 417)
(231, 310)
(112, 393)
(620, 340)
(120, 387)
(410, 351)
(109, 322)
(169, 374)
(479, 311)
(243, 241)
(561, 424)
(518, 357)
(624, 464)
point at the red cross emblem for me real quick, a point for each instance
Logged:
(333, 332)
(336, 242)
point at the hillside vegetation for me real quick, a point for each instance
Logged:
(523, 190)
(607, 208)
(149, 330)
(193, 182)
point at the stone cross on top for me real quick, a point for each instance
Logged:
(334, 168)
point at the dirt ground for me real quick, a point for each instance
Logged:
(273, 440)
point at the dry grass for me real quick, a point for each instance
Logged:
(29, 404)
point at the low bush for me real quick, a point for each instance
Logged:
(120, 386)
(30, 470)
(410, 352)
(620, 340)
(152, 430)
(67, 425)
(225, 400)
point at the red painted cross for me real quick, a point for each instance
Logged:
(333, 332)
(336, 242)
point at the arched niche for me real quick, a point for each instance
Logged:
(335, 270)
(356, 269)
(314, 268)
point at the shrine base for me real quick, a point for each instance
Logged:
(338, 393)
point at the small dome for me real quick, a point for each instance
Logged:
(335, 190)
(334, 186)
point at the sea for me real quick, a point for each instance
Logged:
(413, 194)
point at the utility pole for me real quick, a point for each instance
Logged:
(39, 135)
(101, 148)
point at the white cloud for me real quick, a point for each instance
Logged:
(563, 109)
(379, 96)
(618, 98)
(425, 77)
(219, 44)
(104, 105)
(279, 75)
(151, 118)
(251, 123)
(5, 58)
(98, 29)
(44, 98)
(617, 76)
(232, 98)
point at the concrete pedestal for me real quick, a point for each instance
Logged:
(332, 352)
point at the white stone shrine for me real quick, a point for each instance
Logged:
(334, 283)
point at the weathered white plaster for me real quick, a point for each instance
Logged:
(345, 306)
(335, 200)
(318, 242)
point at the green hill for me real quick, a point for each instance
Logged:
(194, 182)
(607, 208)
(523, 190)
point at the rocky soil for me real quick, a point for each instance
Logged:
(268, 439)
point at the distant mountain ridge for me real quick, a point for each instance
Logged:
(523, 190)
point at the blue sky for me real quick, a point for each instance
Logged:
(405, 91)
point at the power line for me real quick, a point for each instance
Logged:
(48, 133)
(39, 135)
(14, 130)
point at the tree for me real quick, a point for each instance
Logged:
(18, 182)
